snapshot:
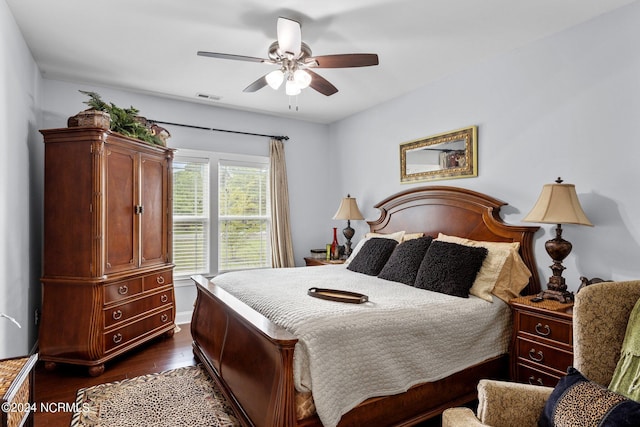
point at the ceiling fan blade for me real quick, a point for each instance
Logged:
(289, 36)
(321, 84)
(234, 57)
(257, 85)
(343, 61)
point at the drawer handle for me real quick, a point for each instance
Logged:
(533, 381)
(117, 315)
(164, 298)
(540, 331)
(117, 338)
(164, 318)
(532, 355)
(160, 280)
(122, 290)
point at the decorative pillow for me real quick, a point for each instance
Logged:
(498, 252)
(411, 236)
(576, 401)
(373, 256)
(395, 236)
(513, 278)
(626, 377)
(450, 268)
(405, 261)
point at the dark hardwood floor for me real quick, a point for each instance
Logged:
(62, 384)
(158, 355)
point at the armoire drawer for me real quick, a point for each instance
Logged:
(125, 335)
(157, 280)
(129, 310)
(119, 291)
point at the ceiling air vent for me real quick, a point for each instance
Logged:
(208, 97)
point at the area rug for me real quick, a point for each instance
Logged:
(178, 397)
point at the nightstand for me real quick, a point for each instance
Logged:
(321, 261)
(16, 391)
(542, 344)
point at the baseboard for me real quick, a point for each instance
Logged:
(183, 317)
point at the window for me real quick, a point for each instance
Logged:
(221, 215)
(191, 222)
(243, 215)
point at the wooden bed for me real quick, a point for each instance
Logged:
(251, 358)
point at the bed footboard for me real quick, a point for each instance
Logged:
(250, 357)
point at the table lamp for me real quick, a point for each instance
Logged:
(348, 210)
(558, 204)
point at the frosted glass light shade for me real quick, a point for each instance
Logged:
(292, 88)
(302, 78)
(274, 79)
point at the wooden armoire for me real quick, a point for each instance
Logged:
(107, 282)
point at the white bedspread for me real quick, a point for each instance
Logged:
(347, 353)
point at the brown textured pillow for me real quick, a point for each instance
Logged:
(450, 268)
(405, 261)
(373, 256)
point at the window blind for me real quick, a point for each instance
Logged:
(191, 219)
(243, 215)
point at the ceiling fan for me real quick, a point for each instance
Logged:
(296, 62)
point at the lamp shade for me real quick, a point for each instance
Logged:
(348, 209)
(558, 204)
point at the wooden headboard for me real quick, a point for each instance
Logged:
(457, 212)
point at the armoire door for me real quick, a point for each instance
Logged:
(154, 197)
(121, 238)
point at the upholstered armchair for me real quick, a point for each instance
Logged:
(600, 318)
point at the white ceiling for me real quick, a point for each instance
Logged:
(150, 46)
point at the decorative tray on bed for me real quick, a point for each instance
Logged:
(337, 295)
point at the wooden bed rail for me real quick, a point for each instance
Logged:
(249, 357)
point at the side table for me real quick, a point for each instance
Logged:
(321, 261)
(542, 343)
(16, 391)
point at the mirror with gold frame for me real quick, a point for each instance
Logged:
(444, 156)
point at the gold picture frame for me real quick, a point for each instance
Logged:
(446, 155)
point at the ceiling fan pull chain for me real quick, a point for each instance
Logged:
(296, 99)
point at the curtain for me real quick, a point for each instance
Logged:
(281, 244)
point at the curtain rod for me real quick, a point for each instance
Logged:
(280, 137)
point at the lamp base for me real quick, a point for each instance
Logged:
(348, 233)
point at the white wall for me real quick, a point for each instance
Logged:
(567, 105)
(307, 154)
(20, 188)
(564, 106)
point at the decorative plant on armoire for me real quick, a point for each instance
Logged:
(125, 121)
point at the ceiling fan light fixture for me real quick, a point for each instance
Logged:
(274, 79)
(289, 37)
(302, 78)
(292, 88)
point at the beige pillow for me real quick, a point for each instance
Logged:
(397, 236)
(411, 236)
(492, 266)
(513, 278)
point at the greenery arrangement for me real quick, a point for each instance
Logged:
(123, 120)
